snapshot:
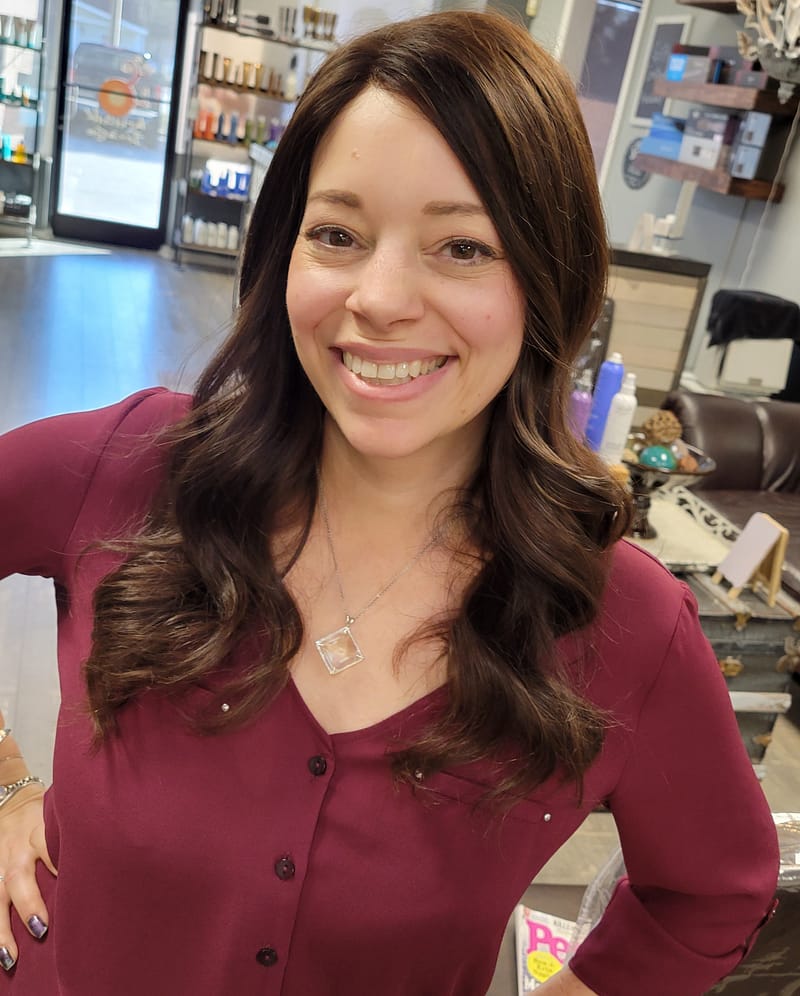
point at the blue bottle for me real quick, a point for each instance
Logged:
(609, 381)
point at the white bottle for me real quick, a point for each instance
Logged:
(211, 234)
(187, 230)
(620, 419)
(233, 237)
(222, 235)
(199, 232)
(290, 86)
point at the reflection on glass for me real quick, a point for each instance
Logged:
(117, 96)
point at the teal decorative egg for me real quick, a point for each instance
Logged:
(659, 457)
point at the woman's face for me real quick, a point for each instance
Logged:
(403, 308)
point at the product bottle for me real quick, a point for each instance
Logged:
(609, 381)
(619, 421)
(187, 230)
(290, 86)
(580, 404)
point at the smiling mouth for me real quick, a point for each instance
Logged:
(389, 374)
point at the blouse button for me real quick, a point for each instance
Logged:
(267, 957)
(284, 868)
(547, 817)
(317, 765)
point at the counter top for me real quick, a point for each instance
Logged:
(663, 264)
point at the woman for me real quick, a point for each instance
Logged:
(348, 646)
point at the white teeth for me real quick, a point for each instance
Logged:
(391, 373)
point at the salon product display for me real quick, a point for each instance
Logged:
(209, 234)
(216, 69)
(580, 404)
(20, 31)
(609, 381)
(619, 421)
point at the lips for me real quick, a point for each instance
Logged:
(388, 374)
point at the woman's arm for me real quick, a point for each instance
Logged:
(22, 845)
(697, 836)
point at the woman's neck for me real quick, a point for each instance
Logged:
(389, 496)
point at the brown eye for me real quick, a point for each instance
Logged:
(336, 238)
(468, 251)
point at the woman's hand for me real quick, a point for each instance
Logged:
(22, 843)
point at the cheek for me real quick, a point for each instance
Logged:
(312, 295)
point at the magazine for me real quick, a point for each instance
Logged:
(543, 941)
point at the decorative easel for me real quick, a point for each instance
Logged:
(756, 557)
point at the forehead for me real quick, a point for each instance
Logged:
(379, 138)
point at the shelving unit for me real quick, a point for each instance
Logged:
(719, 95)
(20, 111)
(236, 85)
(718, 6)
(718, 180)
(743, 98)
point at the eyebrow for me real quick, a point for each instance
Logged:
(346, 198)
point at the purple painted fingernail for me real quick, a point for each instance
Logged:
(37, 927)
(6, 960)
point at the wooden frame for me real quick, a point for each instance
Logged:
(662, 34)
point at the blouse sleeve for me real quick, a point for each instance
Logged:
(698, 839)
(46, 471)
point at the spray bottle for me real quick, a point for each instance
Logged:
(609, 381)
(619, 421)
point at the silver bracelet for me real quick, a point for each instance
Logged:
(10, 790)
(4, 733)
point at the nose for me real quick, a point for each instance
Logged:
(387, 289)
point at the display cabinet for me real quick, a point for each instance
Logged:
(246, 80)
(21, 52)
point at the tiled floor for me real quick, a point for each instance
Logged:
(78, 332)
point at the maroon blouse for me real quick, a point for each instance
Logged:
(278, 859)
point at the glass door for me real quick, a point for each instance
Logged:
(120, 71)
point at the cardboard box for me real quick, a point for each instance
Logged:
(689, 68)
(664, 138)
(708, 137)
(756, 79)
(755, 128)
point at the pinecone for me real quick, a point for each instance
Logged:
(662, 428)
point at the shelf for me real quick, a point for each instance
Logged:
(15, 162)
(245, 90)
(225, 198)
(718, 180)
(718, 6)
(208, 250)
(309, 44)
(240, 145)
(743, 98)
(32, 105)
(25, 48)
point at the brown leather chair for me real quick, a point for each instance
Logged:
(756, 445)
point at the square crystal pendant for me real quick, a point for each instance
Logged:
(339, 650)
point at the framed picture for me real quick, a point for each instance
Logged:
(663, 34)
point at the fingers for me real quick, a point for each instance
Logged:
(39, 844)
(22, 890)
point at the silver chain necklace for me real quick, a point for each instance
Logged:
(339, 650)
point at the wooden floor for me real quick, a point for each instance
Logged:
(78, 332)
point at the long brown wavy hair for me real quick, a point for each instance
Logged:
(199, 577)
